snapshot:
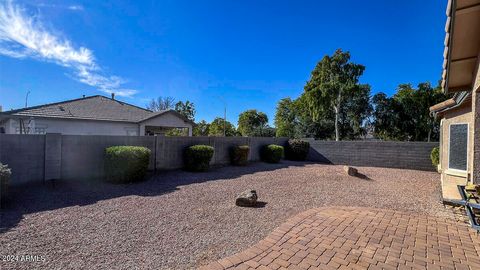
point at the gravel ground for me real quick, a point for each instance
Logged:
(181, 220)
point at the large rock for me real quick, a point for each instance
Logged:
(248, 198)
(350, 170)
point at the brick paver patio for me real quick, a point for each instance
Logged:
(361, 238)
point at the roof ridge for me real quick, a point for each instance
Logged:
(48, 104)
(68, 101)
(125, 103)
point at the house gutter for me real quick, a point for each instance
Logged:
(456, 101)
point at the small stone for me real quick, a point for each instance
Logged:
(248, 198)
(350, 170)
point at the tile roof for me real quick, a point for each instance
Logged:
(92, 108)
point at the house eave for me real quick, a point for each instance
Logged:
(462, 45)
(456, 101)
(15, 116)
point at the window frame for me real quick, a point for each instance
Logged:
(448, 152)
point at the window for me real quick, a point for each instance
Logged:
(40, 130)
(458, 145)
(131, 131)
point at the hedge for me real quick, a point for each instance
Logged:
(124, 164)
(435, 156)
(197, 157)
(272, 153)
(239, 155)
(297, 149)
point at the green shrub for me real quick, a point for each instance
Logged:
(272, 153)
(297, 149)
(124, 164)
(239, 155)
(435, 156)
(5, 173)
(197, 157)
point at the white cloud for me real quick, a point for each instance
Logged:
(22, 36)
(75, 7)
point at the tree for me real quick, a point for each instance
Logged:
(355, 112)
(332, 80)
(322, 128)
(252, 123)
(286, 119)
(267, 131)
(387, 118)
(216, 128)
(186, 109)
(161, 104)
(406, 115)
(201, 128)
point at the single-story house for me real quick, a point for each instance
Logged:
(460, 115)
(94, 115)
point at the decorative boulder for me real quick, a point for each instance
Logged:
(248, 198)
(350, 170)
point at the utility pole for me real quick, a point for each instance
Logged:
(26, 99)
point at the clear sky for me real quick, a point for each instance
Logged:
(249, 53)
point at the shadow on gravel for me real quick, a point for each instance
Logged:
(363, 176)
(38, 197)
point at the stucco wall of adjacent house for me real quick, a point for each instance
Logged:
(459, 115)
(80, 127)
(166, 120)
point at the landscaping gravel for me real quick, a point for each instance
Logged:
(181, 220)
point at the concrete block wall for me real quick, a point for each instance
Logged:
(25, 154)
(72, 157)
(83, 156)
(222, 147)
(405, 155)
(76, 157)
(170, 150)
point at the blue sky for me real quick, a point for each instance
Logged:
(248, 53)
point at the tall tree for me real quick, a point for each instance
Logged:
(252, 123)
(201, 128)
(332, 80)
(355, 112)
(406, 116)
(322, 128)
(161, 104)
(286, 119)
(187, 109)
(387, 118)
(216, 128)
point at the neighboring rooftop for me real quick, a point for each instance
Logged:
(92, 108)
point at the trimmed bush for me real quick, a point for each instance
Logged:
(5, 173)
(435, 156)
(125, 164)
(297, 149)
(272, 153)
(197, 157)
(239, 155)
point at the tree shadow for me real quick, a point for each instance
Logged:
(39, 196)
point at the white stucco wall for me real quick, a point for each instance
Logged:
(80, 127)
(93, 127)
(166, 120)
